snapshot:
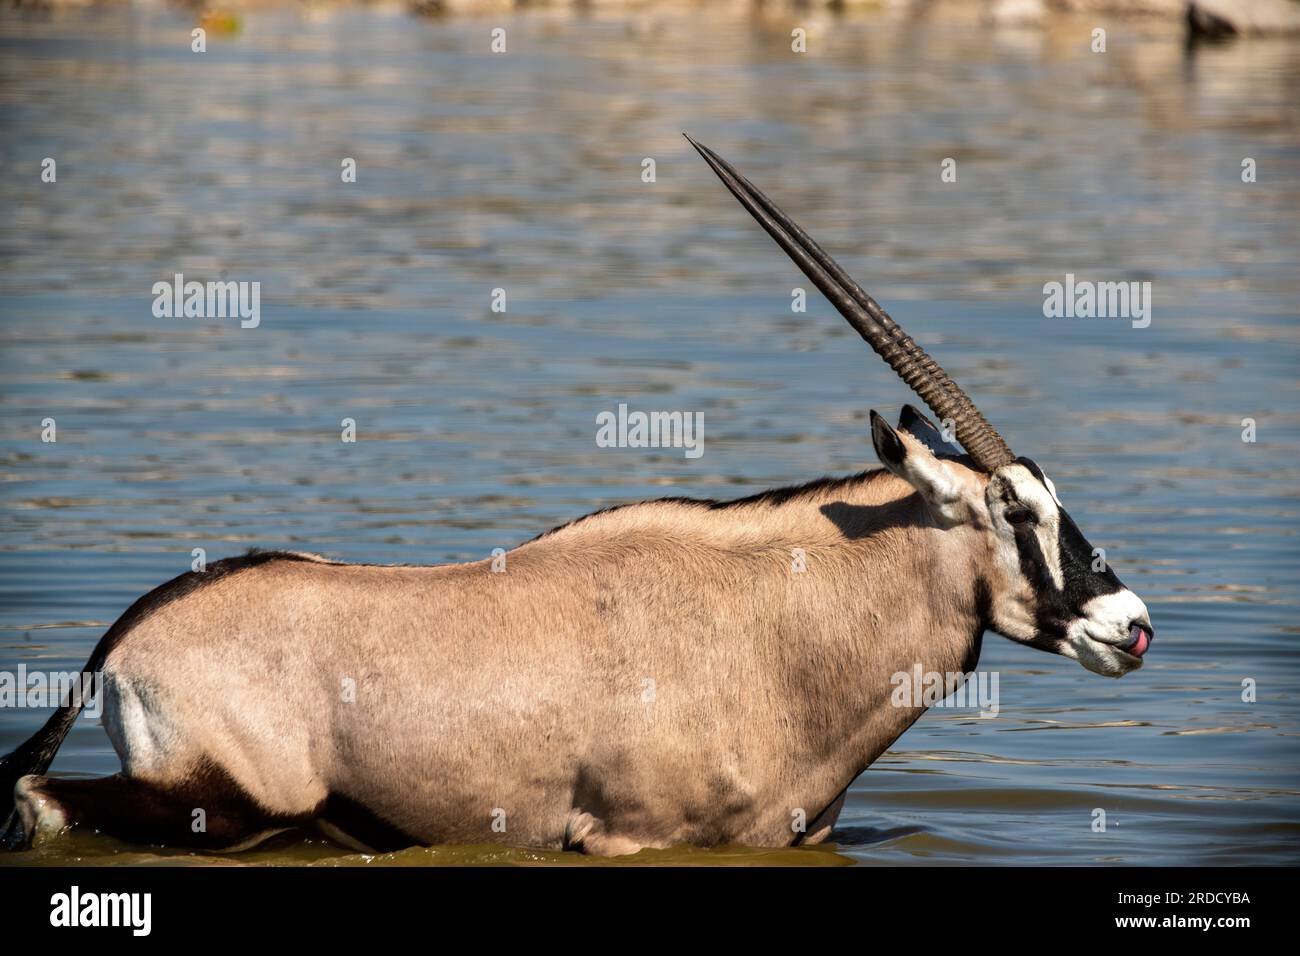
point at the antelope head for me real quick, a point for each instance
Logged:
(1049, 590)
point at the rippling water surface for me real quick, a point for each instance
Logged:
(477, 428)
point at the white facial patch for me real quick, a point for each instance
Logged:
(1106, 619)
(1052, 488)
(1092, 639)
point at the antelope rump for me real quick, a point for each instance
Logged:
(513, 707)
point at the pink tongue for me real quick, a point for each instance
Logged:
(1139, 646)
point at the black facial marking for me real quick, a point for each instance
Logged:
(1082, 583)
(1056, 607)
(1033, 563)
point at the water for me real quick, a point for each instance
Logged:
(522, 172)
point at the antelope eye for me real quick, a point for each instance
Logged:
(1020, 516)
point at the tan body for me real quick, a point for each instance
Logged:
(660, 667)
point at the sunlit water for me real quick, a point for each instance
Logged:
(523, 172)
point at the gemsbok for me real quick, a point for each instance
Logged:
(653, 674)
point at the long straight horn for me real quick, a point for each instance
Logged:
(921, 373)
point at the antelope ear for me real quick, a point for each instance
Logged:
(932, 477)
(926, 432)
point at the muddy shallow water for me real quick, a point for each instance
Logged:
(523, 171)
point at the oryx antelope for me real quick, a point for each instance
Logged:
(648, 675)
